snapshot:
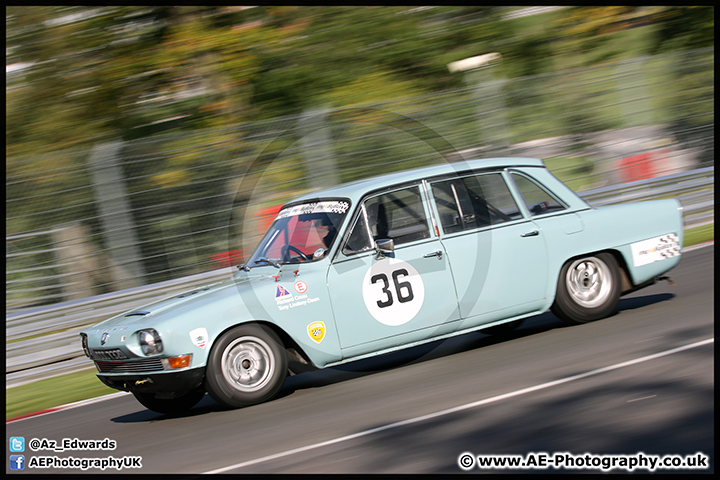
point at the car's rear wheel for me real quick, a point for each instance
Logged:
(167, 404)
(247, 365)
(588, 289)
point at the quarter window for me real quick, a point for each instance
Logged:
(359, 239)
(537, 199)
(473, 202)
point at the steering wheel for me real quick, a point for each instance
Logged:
(296, 250)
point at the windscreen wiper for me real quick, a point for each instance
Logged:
(272, 262)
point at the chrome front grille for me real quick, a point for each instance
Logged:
(135, 366)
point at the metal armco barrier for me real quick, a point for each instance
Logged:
(40, 338)
(694, 189)
(44, 341)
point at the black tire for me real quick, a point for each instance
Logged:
(178, 404)
(247, 365)
(588, 289)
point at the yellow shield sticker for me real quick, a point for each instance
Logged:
(316, 331)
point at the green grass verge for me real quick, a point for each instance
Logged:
(82, 385)
(696, 235)
(53, 392)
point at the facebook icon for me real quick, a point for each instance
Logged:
(17, 462)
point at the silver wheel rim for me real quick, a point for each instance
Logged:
(248, 364)
(589, 282)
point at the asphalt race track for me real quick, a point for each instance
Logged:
(544, 388)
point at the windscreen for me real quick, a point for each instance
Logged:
(301, 233)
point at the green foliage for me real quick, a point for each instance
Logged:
(123, 71)
(683, 28)
(690, 103)
(373, 87)
(529, 55)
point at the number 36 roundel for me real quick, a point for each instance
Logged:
(393, 291)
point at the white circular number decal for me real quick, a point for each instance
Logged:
(393, 291)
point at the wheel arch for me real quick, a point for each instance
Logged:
(295, 354)
(625, 282)
(619, 258)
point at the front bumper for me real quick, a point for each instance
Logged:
(171, 382)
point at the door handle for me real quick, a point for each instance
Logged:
(436, 253)
(534, 233)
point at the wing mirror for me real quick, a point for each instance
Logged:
(384, 246)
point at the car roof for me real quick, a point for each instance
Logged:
(355, 190)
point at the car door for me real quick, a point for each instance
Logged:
(497, 254)
(383, 300)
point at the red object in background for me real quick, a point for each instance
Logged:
(266, 216)
(227, 259)
(234, 257)
(636, 167)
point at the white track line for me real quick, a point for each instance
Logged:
(461, 407)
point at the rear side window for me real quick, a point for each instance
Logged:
(536, 198)
(473, 202)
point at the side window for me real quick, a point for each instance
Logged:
(474, 201)
(490, 192)
(447, 199)
(397, 215)
(537, 199)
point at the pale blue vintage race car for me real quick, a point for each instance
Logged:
(383, 264)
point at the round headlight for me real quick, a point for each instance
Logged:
(150, 342)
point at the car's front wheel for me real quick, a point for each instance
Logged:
(171, 405)
(247, 365)
(588, 289)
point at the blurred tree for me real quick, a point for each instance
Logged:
(116, 71)
(528, 55)
(678, 28)
(105, 71)
(98, 73)
(683, 28)
(128, 72)
(691, 92)
(336, 46)
(586, 30)
(591, 21)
